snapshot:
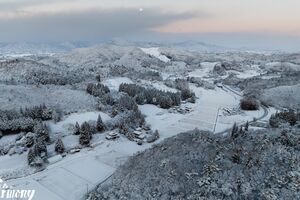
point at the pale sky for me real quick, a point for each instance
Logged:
(42, 20)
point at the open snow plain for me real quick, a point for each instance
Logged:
(215, 85)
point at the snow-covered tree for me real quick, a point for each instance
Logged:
(37, 154)
(31, 156)
(29, 139)
(59, 146)
(85, 134)
(249, 104)
(247, 126)
(100, 125)
(41, 130)
(76, 129)
(57, 114)
(98, 77)
(40, 148)
(97, 89)
(165, 102)
(234, 130)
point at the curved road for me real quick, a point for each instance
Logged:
(266, 111)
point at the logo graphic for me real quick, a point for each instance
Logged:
(7, 192)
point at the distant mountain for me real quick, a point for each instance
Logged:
(189, 45)
(22, 49)
(200, 46)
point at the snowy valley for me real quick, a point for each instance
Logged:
(69, 120)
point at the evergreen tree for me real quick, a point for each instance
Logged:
(59, 146)
(76, 129)
(31, 156)
(100, 124)
(234, 130)
(41, 131)
(41, 148)
(98, 77)
(29, 139)
(165, 102)
(156, 134)
(247, 126)
(85, 134)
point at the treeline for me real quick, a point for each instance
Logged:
(183, 86)
(284, 118)
(51, 77)
(151, 95)
(24, 119)
(97, 89)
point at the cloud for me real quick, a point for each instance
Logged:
(85, 25)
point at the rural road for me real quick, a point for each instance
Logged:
(266, 111)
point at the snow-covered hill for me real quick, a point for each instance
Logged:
(25, 49)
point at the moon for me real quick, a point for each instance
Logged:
(141, 9)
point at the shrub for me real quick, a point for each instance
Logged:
(249, 104)
(289, 117)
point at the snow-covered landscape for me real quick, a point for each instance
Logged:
(67, 124)
(149, 100)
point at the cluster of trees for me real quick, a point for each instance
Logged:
(97, 89)
(123, 108)
(23, 120)
(183, 86)
(237, 131)
(86, 130)
(186, 93)
(286, 117)
(127, 115)
(124, 103)
(37, 144)
(249, 104)
(37, 154)
(51, 77)
(151, 95)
